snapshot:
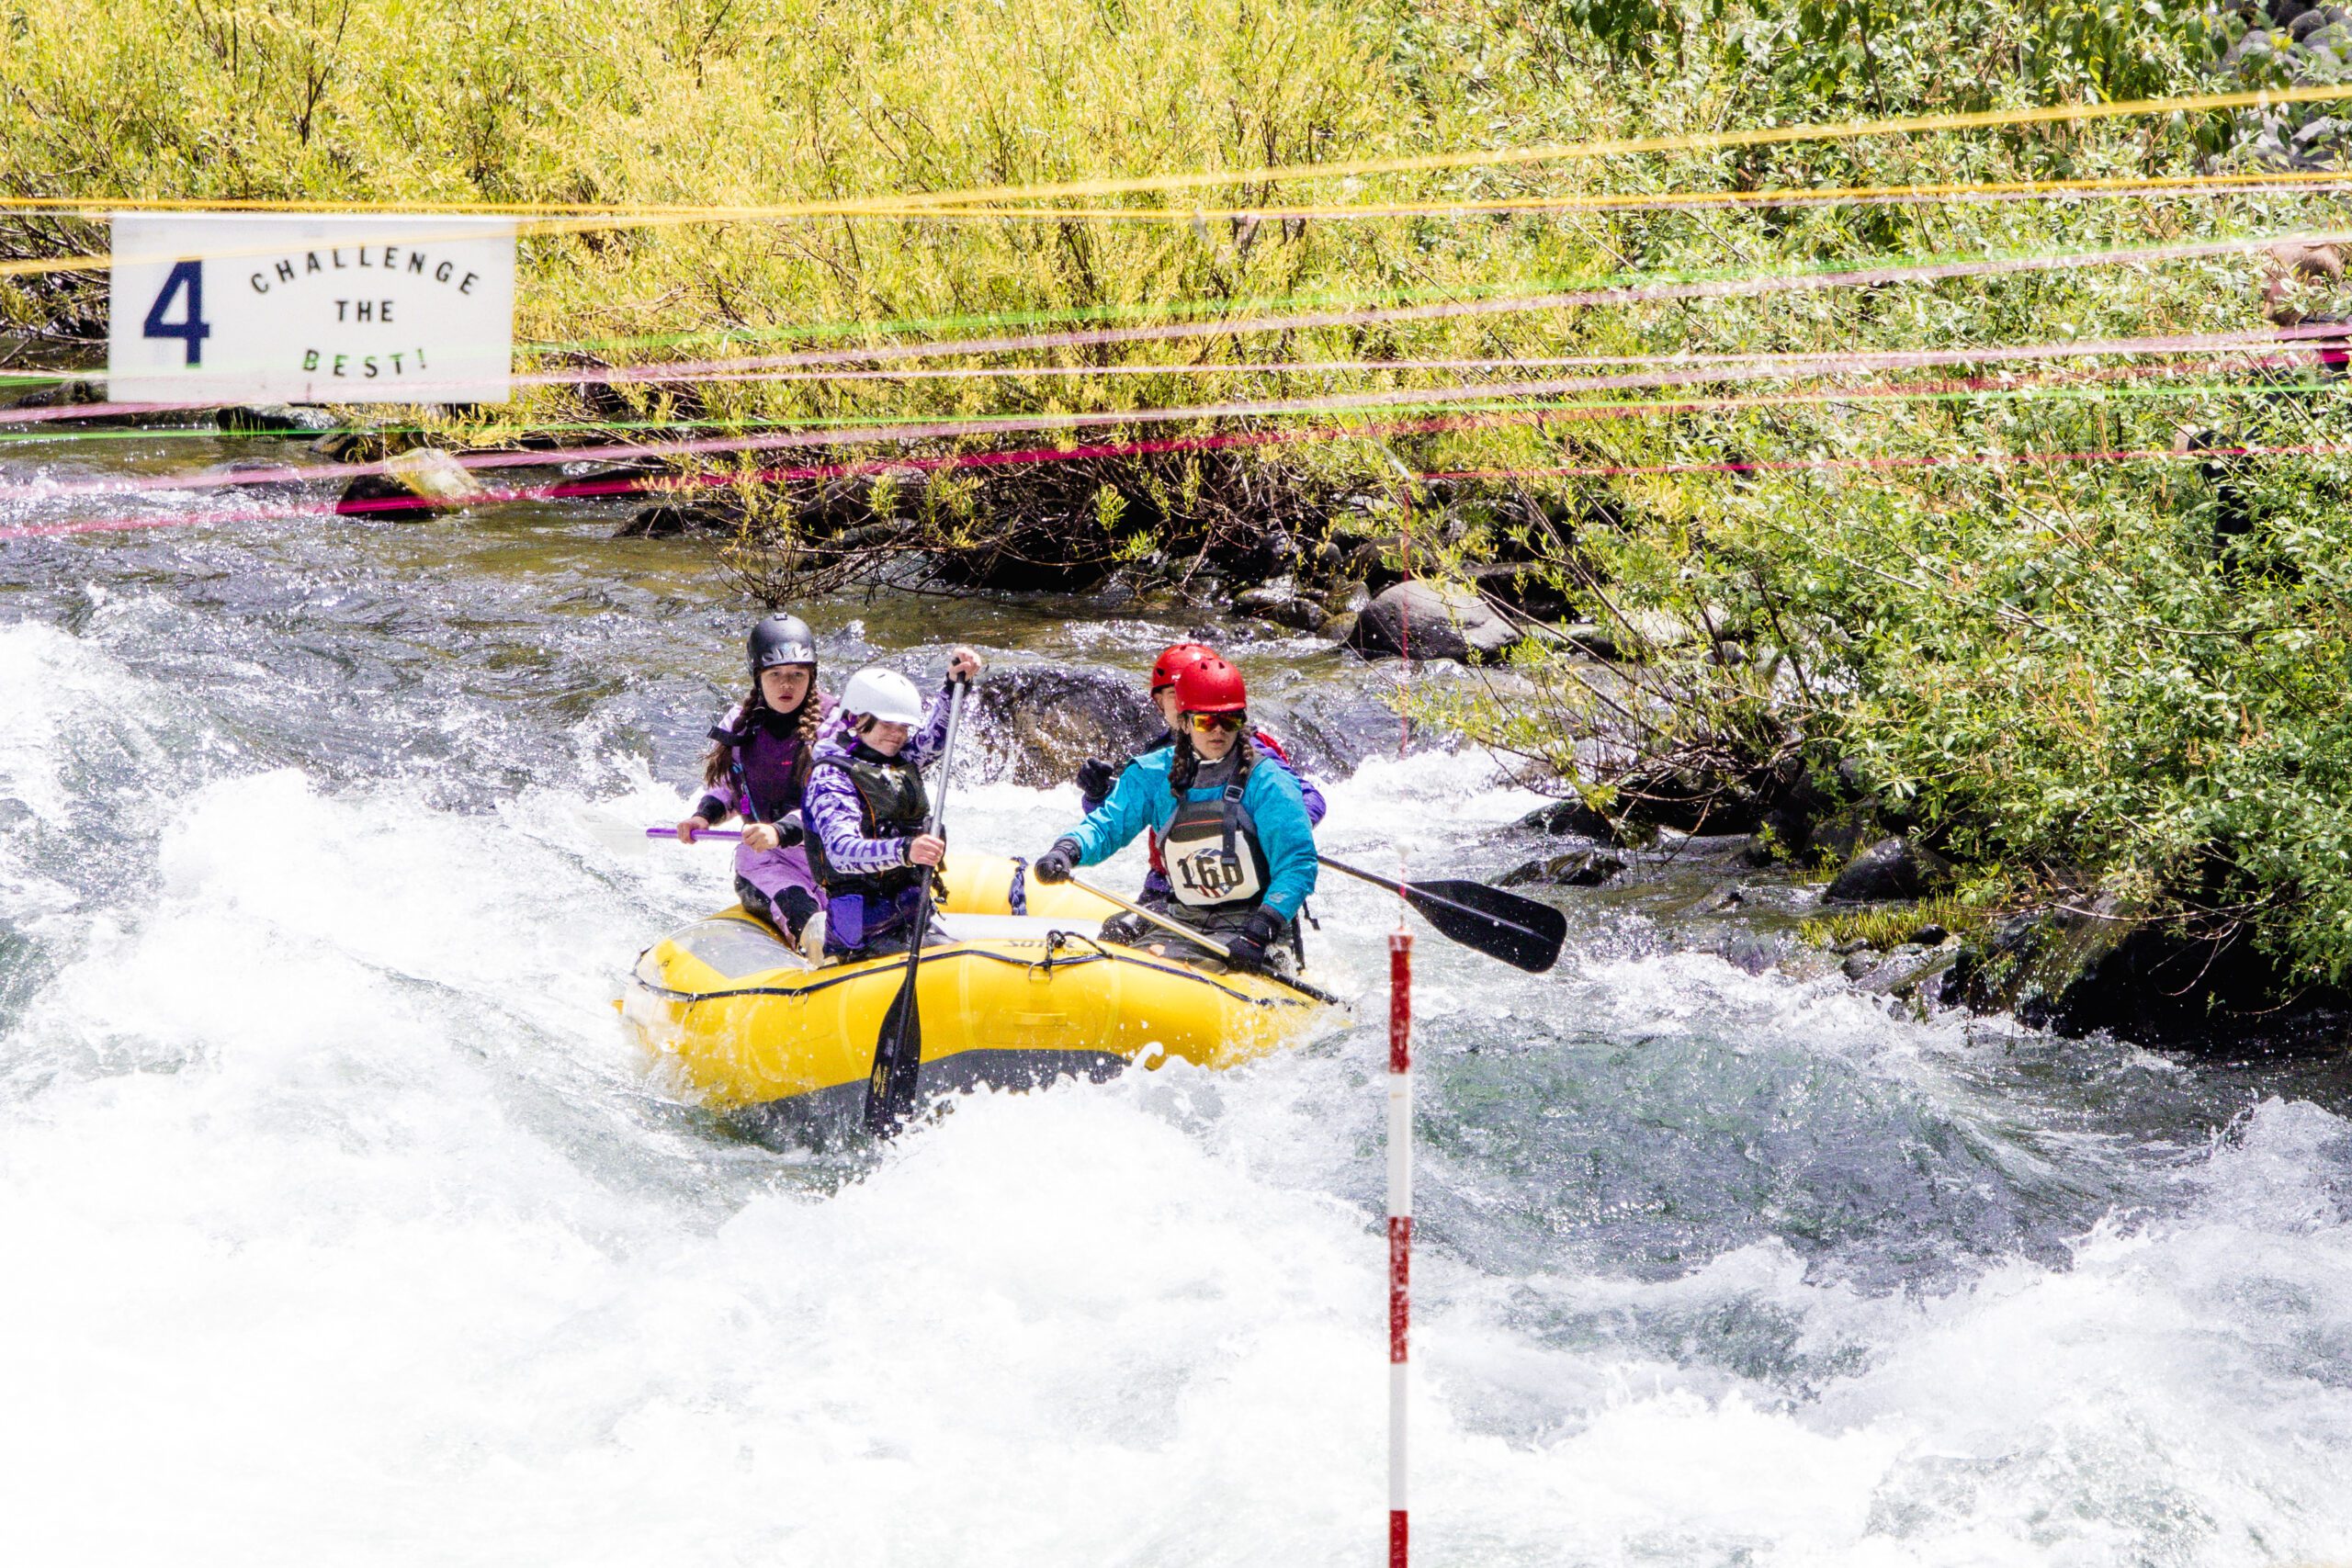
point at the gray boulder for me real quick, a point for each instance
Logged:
(1431, 620)
(1039, 720)
(1889, 869)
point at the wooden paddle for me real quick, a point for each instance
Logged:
(897, 1050)
(1503, 925)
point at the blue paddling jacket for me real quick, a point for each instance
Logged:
(1270, 796)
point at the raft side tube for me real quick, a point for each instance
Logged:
(737, 1020)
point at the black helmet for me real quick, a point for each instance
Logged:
(781, 639)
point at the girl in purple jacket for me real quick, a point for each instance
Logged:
(758, 769)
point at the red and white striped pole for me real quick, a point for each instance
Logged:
(1400, 1223)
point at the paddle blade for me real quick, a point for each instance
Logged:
(1520, 932)
(897, 1058)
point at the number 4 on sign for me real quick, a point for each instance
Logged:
(187, 276)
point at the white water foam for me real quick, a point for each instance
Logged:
(338, 1226)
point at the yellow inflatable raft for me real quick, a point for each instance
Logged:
(737, 1020)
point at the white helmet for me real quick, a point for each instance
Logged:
(884, 695)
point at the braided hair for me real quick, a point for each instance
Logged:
(718, 763)
(1186, 765)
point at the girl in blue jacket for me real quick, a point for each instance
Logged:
(1233, 830)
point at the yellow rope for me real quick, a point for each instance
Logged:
(2157, 185)
(1694, 141)
(1778, 195)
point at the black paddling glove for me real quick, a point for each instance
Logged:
(1056, 863)
(1261, 931)
(1095, 778)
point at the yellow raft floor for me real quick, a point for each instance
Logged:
(738, 1022)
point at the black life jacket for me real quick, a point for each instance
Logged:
(1214, 860)
(892, 803)
(763, 750)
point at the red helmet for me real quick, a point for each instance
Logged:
(1174, 660)
(1212, 686)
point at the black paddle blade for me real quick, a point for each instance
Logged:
(897, 1058)
(1503, 925)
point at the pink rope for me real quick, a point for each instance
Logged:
(959, 429)
(577, 490)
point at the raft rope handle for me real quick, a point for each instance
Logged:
(1057, 939)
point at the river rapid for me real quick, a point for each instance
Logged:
(337, 1223)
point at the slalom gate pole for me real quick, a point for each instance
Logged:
(1400, 1224)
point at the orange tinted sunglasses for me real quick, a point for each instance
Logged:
(1205, 722)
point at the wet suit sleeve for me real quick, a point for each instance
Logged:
(830, 808)
(718, 802)
(1131, 807)
(1286, 835)
(923, 747)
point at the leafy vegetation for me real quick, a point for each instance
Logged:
(1892, 925)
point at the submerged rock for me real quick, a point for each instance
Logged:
(1431, 620)
(416, 483)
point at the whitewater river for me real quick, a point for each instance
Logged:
(337, 1224)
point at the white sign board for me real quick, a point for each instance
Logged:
(264, 307)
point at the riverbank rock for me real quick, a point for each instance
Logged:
(60, 394)
(2076, 971)
(1281, 602)
(1587, 868)
(1431, 620)
(418, 482)
(1571, 817)
(1889, 869)
(670, 518)
(275, 419)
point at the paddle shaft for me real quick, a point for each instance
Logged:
(1197, 939)
(1407, 890)
(891, 1086)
